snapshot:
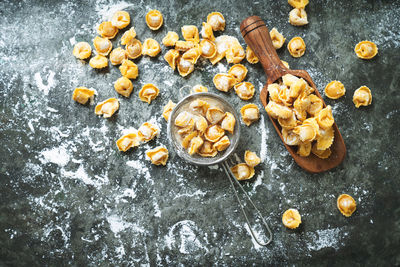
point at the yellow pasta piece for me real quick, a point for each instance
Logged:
(103, 46)
(200, 106)
(192, 55)
(214, 115)
(238, 71)
(201, 124)
(217, 58)
(298, 3)
(366, 50)
(216, 20)
(285, 64)
(126, 142)
(147, 131)
(188, 138)
(158, 155)
(98, 62)
(297, 88)
(82, 95)
(107, 108)
(325, 118)
(207, 150)
(291, 218)
(290, 137)
(170, 39)
(362, 97)
(289, 79)
(325, 138)
(187, 129)
(315, 106)
(250, 56)
(171, 57)
(273, 91)
(82, 50)
(250, 113)
(154, 19)
(277, 38)
(207, 32)
(183, 119)
(245, 90)
(208, 48)
(276, 110)
(120, 19)
(213, 133)
(123, 86)
(185, 67)
(128, 36)
(288, 123)
(117, 56)
(224, 82)
(195, 145)
(199, 89)
(184, 46)
(129, 69)
(323, 154)
(168, 109)
(298, 17)
(134, 49)
(306, 132)
(296, 47)
(151, 47)
(335, 90)
(251, 158)
(235, 54)
(346, 204)
(107, 30)
(148, 92)
(190, 33)
(242, 171)
(284, 97)
(222, 143)
(228, 122)
(304, 149)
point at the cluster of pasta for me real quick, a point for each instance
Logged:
(361, 97)
(296, 46)
(203, 128)
(301, 115)
(245, 171)
(298, 15)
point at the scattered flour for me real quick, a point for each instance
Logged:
(324, 239)
(263, 146)
(107, 11)
(82, 175)
(50, 82)
(57, 155)
(117, 224)
(189, 242)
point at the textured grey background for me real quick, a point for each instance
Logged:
(95, 206)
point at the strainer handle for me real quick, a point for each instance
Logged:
(232, 177)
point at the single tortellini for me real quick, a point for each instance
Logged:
(273, 91)
(213, 133)
(217, 57)
(127, 141)
(277, 38)
(214, 115)
(207, 32)
(322, 154)
(107, 30)
(151, 47)
(171, 57)
(306, 131)
(297, 88)
(154, 19)
(200, 106)
(183, 119)
(276, 110)
(325, 118)
(290, 137)
(238, 71)
(285, 64)
(325, 138)
(128, 36)
(123, 86)
(192, 55)
(207, 150)
(216, 20)
(158, 155)
(83, 95)
(250, 56)
(224, 82)
(147, 131)
(335, 90)
(245, 90)
(82, 50)
(117, 56)
(120, 19)
(107, 108)
(195, 145)
(170, 39)
(242, 171)
(201, 124)
(251, 158)
(98, 62)
(288, 123)
(228, 122)
(346, 204)
(235, 54)
(362, 97)
(298, 17)
(190, 33)
(250, 113)
(103, 46)
(289, 79)
(198, 88)
(134, 49)
(284, 97)
(366, 50)
(298, 3)
(304, 149)
(184, 46)
(222, 143)
(189, 128)
(208, 48)
(188, 138)
(129, 69)
(168, 109)
(291, 218)
(148, 92)
(185, 67)
(315, 106)
(296, 47)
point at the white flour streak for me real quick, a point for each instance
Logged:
(117, 224)
(196, 193)
(324, 239)
(141, 169)
(189, 242)
(72, 40)
(157, 211)
(169, 83)
(255, 244)
(52, 109)
(214, 167)
(258, 180)
(81, 174)
(39, 82)
(263, 147)
(57, 155)
(107, 11)
(31, 126)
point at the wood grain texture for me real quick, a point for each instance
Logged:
(256, 35)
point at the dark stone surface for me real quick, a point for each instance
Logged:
(90, 205)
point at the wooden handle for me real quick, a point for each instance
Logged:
(256, 35)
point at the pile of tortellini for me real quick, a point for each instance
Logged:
(300, 113)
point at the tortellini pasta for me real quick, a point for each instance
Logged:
(242, 171)
(251, 158)
(185, 67)
(128, 36)
(201, 106)
(222, 143)
(158, 155)
(277, 38)
(235, 54)
(117, 56)
(366, 50)
(83, 95)
(296, 47)
(224, 82)
(250, 113)
(192, 55)
(190, 33)
(171, 57)
(285, 64)
(107, 30)
(291, 218)
(207, 32)
(304, 149)
(208, 49)
(335, 90)
(128, 141)
(198, 88)
(148, 92)
(154, 19)
(82, 50)
(120, 19)
(216, 20)
(213, 133)
(195, 145)
(239, 72)
(123, 86)
(170, 39)
(103, 46)
(129, 69)
(168, 109)
(207, 150)
(322, 154)
(134, 49)
(250, 56)
(298, 17)
(98, 62)
(184, 46)
(228, 122)
(362, 97)
(325, 118)
(245, 90)
(151, 47)
(298, 3)
(107, 108)
(228, 45)
(346, 204)
(214, 115)
(147, 131)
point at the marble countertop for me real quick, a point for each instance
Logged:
(69, 197)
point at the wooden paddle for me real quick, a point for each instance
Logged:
(257, 37)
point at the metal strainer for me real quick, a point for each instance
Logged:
(221, 157)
